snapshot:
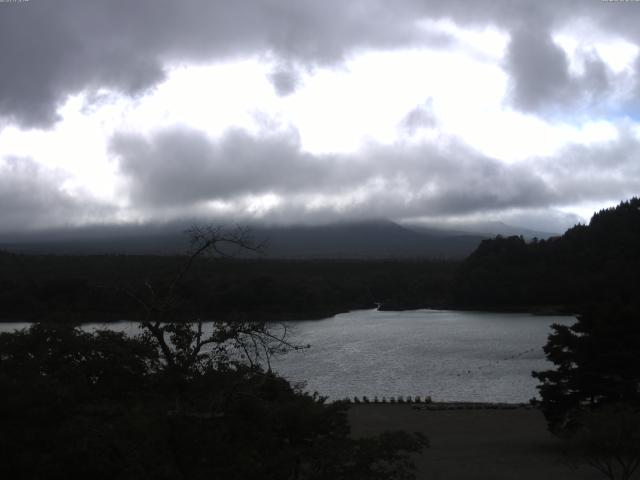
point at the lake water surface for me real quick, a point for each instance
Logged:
(448, 355)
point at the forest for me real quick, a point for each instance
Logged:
(97, 288)
(588, 264)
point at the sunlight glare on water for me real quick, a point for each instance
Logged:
(446, 354)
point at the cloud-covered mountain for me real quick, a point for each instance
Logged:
(357, 240)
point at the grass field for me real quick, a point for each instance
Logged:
(475, 443)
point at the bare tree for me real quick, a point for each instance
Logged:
(188, 348)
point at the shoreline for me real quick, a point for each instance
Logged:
(275, 317)
(443, 405)
(107, 318)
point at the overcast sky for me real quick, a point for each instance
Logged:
(306, 111)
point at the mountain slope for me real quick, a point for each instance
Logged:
(370, 239)
(364, 240)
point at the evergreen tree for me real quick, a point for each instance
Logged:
(597, 363)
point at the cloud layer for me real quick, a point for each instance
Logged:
(32, 197)
(182, 168)
(52, 49)
(563, 64)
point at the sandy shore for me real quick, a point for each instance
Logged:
(474, 443)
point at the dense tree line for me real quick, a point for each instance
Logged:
(82, 288)
(589, 264)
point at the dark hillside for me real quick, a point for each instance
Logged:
(594, 263)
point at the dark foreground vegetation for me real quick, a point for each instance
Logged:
(104, 406)
(178, 401)
(592, 396)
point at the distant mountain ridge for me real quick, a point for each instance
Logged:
(356, 239)
(361, 239)
(485, 229)
(371, 239)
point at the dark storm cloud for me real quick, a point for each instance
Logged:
(51, 49)
(181, 168)
(31, 197)
(539, 69)
(540, 75)
(285, 80)
(596, 78)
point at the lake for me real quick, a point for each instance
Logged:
(446, 354)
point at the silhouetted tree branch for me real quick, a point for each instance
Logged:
(192, 347)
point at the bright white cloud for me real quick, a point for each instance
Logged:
(582, 37)
(488, 43)
(75, 146)
(211, 98)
